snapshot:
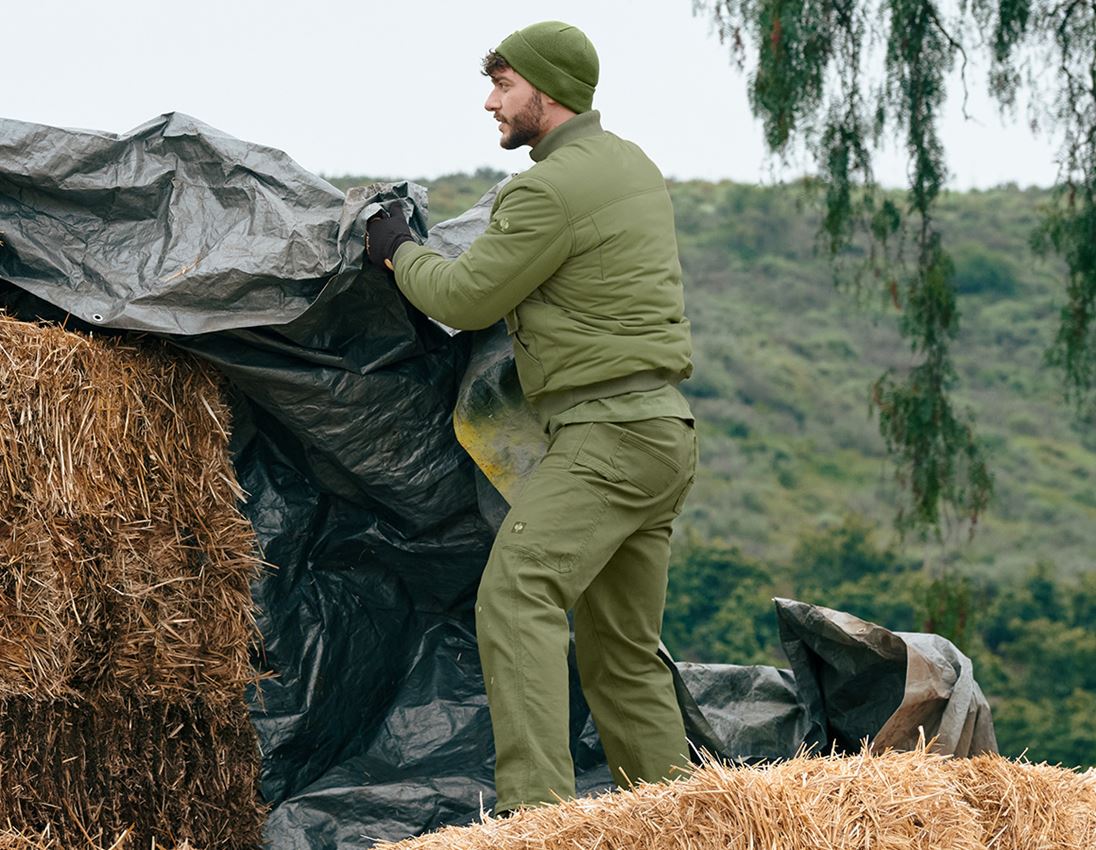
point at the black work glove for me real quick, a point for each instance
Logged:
(384, 233)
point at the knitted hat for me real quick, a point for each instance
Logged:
(556, 58)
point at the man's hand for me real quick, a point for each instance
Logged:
(384, 233)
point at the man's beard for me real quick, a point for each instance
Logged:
(525, 126)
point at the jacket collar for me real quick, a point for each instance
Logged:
(582, 125)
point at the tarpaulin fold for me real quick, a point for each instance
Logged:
(373, 723)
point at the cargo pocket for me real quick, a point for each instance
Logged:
(554, 520)
(598, 452)
(649, 469)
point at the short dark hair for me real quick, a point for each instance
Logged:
(493, 63)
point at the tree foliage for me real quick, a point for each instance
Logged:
(839, 75)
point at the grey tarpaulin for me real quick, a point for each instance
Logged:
(923, 685)
(374, 723)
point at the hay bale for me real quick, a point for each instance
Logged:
(169, 772)
(11, 839)
(1023, 805)
(124, 563)
(126, 617)
(894, 801)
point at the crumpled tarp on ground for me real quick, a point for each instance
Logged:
(374, 724)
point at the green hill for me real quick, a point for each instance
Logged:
(784, 362)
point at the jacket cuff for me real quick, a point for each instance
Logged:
(406, 249)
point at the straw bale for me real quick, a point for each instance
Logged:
(896, 801)
(126, 616)
(1024, 805)
(125, 564)
(11, 839)
(150, 769)
(891, 801)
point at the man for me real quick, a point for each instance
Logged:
(580, 258)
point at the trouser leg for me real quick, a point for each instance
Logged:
(629, 689)
(522, 631)
(597, 486)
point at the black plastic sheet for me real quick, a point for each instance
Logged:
(376, 522)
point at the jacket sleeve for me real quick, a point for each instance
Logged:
(527, 240)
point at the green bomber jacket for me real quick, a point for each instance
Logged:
(579, 257)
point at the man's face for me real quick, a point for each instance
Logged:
(518, 107)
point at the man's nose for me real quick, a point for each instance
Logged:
(492, 103)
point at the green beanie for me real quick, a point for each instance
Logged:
(556, 58)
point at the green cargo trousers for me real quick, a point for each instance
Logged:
(590, 531)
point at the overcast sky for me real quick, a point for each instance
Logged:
(393, 89)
